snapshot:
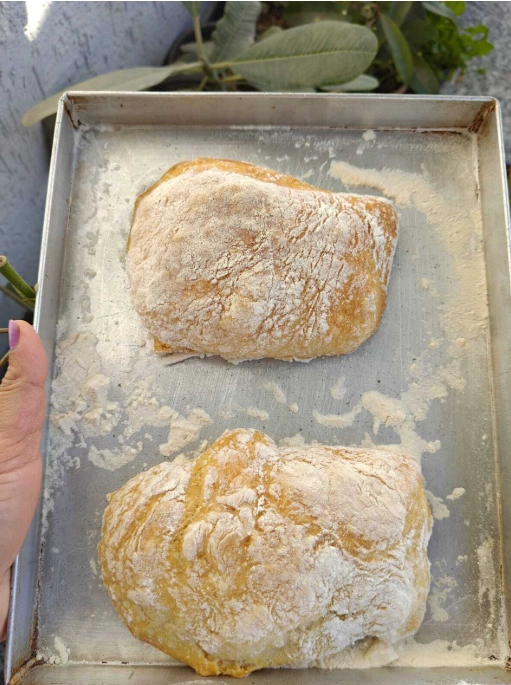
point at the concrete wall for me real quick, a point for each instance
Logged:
(46, 46)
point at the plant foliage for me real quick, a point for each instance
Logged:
(307, 46)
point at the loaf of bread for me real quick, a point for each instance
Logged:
(254, 556)
(230, 259)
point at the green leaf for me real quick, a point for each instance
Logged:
(193, 8)
(362, 83)
(399, 48)
(235, 31)
(137, 78)
(424, 80)
(457, 7)
(399, 10)
(272, 31)
(441, 9)
(419, 32)
(308, 56)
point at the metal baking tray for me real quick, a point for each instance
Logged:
(435, 377)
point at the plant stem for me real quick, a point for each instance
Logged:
(4, 330)
(222, 65)
(206, 67)
(15, 279)
(4, 359)
(232, 79)
(23, 303)
(202, 84)
(198, 38)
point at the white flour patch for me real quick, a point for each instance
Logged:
(257, 413)
(438, 595)
(456, 493)
(369, 135)
(184, 431)
(438, 508)
(111, 460)
(278, 394)
(413, 654)
(338, 389)
(62, 653)
(337, 420)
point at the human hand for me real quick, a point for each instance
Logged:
(22, 411)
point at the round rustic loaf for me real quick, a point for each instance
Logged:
(230, 259)
(254, 556)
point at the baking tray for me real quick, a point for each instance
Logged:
(434, 378)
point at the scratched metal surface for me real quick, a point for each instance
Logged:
(112, 166)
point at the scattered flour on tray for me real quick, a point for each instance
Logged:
(369, 135)
(438, 508)
(111, 460)
(184, 431)
(278, 394)
(338, 389)
(456, 493)
(462, 317)
(82, 410)
(61, 657)
(337, 420)
(438, 594)
(413, 654)
(257, 413)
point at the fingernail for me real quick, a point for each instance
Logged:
(14, 334)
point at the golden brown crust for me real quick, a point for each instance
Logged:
(253, 556)
(355, 304)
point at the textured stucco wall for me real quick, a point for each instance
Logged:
(44, 47)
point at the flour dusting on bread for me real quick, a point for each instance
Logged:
(231, 259)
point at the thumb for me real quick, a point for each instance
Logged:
(22, 399)
(22, 411)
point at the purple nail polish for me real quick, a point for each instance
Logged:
(14, 334)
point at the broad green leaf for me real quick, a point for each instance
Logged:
(235, 31)
(272, 31)
(399, 48)
(399, 10)
(419, 32)
(362, 83)
(193, 8)
(424, 80)
(138, 78)
(441, 9)
(457, 7)
(308, 56)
